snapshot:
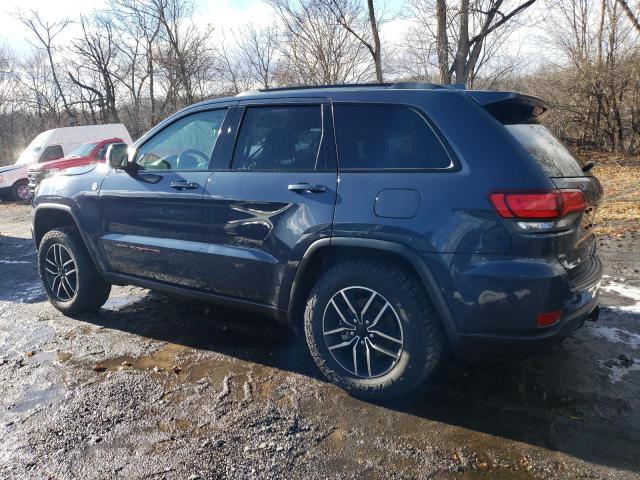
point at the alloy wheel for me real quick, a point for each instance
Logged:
(363, 332)
(61, 272)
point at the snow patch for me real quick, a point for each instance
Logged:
(15, 261)
(616, 335)
(618, 372)
(627, 291)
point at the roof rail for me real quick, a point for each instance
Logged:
(398, 85)
(342, 85)
(427, 86)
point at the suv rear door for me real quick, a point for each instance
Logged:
(272, 195)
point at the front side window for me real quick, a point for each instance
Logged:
(279, 138)
(186, 144)
(52, 152)
(372, 136)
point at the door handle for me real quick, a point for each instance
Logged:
(307, 187)
(184, 185)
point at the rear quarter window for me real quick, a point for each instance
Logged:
(373, 136)
(554, 158)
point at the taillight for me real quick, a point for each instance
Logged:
(538, 205)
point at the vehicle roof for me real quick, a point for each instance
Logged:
(371, 92)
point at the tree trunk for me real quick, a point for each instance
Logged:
(442, 42)
(152, 97)
(629, 13)
(463, 43)
(377, 54)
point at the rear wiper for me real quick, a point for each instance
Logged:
(588, 166)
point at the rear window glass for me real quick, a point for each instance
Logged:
(386, 137)
(551, 154)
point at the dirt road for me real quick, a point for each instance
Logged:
(190, 390)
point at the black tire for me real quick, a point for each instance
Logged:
(421, 331)
(18, 191)
(91, 290)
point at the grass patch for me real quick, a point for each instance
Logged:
(619, 212)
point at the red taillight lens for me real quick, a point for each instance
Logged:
(573, 201)
(548, 318)
(547, 205)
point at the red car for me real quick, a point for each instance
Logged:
(85, 154)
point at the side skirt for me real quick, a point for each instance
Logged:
(268, 310)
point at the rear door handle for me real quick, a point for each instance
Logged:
(307, 187)
(184, 185)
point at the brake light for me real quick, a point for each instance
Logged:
(542, 205)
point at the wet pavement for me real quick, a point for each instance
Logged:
(159, 387)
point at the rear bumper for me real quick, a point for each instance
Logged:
(541, 341)
(495, 301)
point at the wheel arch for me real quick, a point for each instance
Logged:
(326, 251)
(47, 216)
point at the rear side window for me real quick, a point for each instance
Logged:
(549, 152)
(373, 136)
(279, 139)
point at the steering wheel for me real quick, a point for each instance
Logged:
(186, 160)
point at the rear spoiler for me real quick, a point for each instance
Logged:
(510, 107)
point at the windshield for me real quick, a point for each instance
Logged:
(551, 154)
(32, 152)
(83, 150)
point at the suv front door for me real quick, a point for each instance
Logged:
(152, 219)
(272, 195)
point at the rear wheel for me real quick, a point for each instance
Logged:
(371, 329)
(70, 279)
(21, 192)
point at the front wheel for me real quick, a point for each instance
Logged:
(21, 192)
(70, 279)
(372, 330)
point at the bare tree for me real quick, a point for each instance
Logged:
(188, 53)
(316, 48)
(138, 28)
(259, 48)
(632, 17)
(230, 67)
(348, 13)
(46, 32)
(464, 33)
(96, 51)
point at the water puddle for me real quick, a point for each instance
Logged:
(34, 397)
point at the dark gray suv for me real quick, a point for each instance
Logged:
(387, 222)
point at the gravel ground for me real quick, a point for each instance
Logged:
(158, 387)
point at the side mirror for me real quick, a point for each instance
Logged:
(118, 156)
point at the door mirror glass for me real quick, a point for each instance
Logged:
(118, 155)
